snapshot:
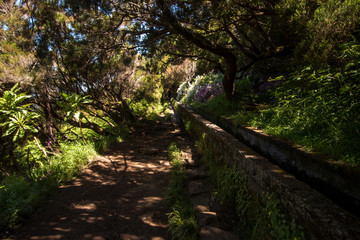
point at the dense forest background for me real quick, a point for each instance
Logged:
(75, 75)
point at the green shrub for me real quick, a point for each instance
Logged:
(333, 22)
(19, 197)
(318, 109)
(73, 157)
(149, 110)
(149, 90)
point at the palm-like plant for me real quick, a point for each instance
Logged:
(17, 121)
(73, 105)
(19, 124)
(11, 102)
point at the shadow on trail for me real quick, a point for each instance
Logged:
(120, 195)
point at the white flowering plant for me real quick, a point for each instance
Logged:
(211, 83)
(182, 90)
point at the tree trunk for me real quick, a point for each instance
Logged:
(202, 42)
(45, 104)
(229, 76)
(129, 116)
(81, 131)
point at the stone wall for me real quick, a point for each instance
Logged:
(338, 182)
(322, 218)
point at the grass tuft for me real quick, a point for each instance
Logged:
(182, 220)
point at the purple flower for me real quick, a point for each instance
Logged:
(207, 92)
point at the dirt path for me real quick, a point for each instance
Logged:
(120, 196)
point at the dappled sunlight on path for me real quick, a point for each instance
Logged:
(119, 196)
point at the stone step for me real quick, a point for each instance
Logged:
(214, 233)
(197, 187)
(196, 173)
(201, 202)
(208, 218)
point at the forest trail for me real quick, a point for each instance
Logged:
(119, 196)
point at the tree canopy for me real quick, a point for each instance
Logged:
(84, 60)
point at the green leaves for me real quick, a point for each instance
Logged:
(20, 123)
(10, 101)
(16, 117)
(74, 105)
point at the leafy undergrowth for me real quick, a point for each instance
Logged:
(319, 122)
(317, 109)
(20, 195)
(182, 220)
